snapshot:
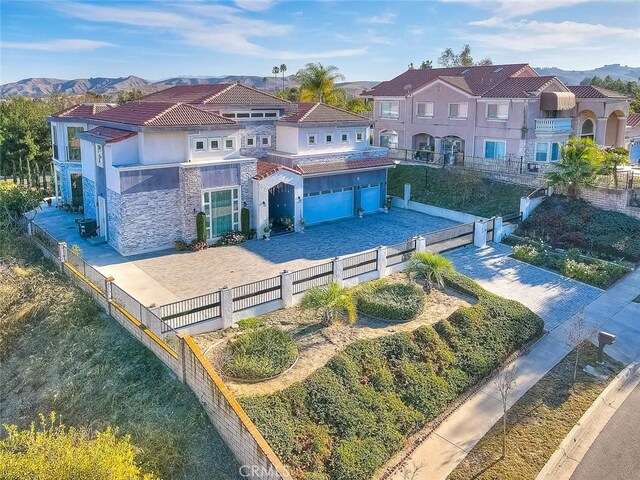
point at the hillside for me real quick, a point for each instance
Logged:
(574, 77)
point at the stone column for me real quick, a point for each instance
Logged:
(337, 270)
(382, 261)
(226, 307)
(421, 244)
(480, 233)
(622, 125)
(286, 281)
(601, 130)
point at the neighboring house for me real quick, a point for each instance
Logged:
(492, 112)
(149, 166)
(67, 156)
(632, 137)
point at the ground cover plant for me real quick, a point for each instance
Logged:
(538, 421)
(65, 355)
(349, 417)
(259, 354)
(392, 301)
(457, 190)
(568, 222)
(571, 264)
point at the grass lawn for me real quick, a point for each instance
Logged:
(62, 353)
(537, 423)
(457, 190)
(568, 222)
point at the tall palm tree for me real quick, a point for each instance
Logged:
(431, 267)
(275, 71)
(331, 302)
(317, 82)
(283, 68)
(264, 83)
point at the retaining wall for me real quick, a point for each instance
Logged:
(618, 200)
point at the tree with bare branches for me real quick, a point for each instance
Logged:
(505, 382)
(578, 332)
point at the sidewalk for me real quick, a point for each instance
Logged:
(457, 435)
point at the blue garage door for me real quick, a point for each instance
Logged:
(370, 198)
(330, 205)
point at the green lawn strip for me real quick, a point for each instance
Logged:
(350, 416)
(571, 264)
(567, 222)
(538, 422)
(455, 189)
(70, 357)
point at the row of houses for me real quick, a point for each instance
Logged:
(248, 159)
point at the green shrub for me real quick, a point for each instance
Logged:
(201, 227)
(377, 392)
(396, 302)
(600, 274)
(245, 222)
(528, 253)
(260, 354)
(231, 238)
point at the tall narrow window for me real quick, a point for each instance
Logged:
(587, 130)
(222, 210)
(54, 141)
(99, 155)
(541, 152)
(73, 144)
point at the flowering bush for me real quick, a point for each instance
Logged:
(196, 246)
(231, 238)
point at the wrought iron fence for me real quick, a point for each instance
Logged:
(44, 239)
(256, 293)
(421, 157)
(360, 264)
(315, 276)
(126, 301)
(400, 252)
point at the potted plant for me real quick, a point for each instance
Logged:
(302, 224)
(360, 212)
(387, 205)
(49, 201)
(267, 231)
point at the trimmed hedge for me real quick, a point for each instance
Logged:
(349, 417)
(260, 354)
(568, 222)
(396, 302)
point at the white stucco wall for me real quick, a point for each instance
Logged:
(295, 139)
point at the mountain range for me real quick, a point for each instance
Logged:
(41, 87)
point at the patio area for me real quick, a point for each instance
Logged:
(164, 277)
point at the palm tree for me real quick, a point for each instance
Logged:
(431, 267)
(331, 302)
(275, 71)
(264, 83)
(283, 68)
(579, 165)
(317, 82)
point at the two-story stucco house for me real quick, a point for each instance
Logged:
(149, 166)
(492, 112)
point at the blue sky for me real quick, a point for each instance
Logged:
(372, 40)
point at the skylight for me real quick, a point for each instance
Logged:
(499, 69)
(464, 71)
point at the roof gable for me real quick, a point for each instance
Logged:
(519, 87)
(214, 93)
(590, 91)
(308, 112)
(82, 110)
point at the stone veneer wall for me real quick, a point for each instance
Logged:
(66, 169)
(89, 197)
(329, 157)
(257, 131)
(607, 199)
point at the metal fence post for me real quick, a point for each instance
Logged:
(337, 270)
(226, 306)
(421, 244)
(382, 261)
(108, 291)
(286, 283)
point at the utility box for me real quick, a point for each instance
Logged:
(87, 227)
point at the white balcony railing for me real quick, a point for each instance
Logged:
(553, 124)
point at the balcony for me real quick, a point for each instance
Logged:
(550, 125)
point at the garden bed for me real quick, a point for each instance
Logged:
(570, 263)
(318, 344)
(538, 422)
(350, 416)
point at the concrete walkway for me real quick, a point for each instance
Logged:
(556, 299)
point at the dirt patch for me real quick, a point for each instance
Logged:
(318, 344)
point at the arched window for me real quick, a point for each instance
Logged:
(587, 129)
(389, 138)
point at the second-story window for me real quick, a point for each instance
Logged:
(228, 143)
(497, 111)
(251, 141)
(312, 139)
(390, 109)
(265, 141)
(458, 110)
(199, 144)
(73, 144)
(344, 137)
(328, 138)
(99, 155)
(54, 141)
(359, 136)
(424, 109)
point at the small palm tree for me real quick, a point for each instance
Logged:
(283, 68)
(332, 302)
(431, 267)
(579, 165)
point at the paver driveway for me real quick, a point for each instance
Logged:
(189, 274)
(554, 297)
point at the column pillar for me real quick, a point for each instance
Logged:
(337, 270)
(497, 229)
(480, 233)
(601, 130)
(62, 251)
(407, 194)
(622, 125)
(226, 307)
(421, 244)
(286, 282)
(524, 207)
(382, 261)
(108, 291)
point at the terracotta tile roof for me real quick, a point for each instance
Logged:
(518, 87)
(458, 82)
(160, 114)
(307, 112)
(266, 169)
(83, 110)
(110, 135)
(633, 120)
(215, 93)
(327, 167)
(479, 79)
(589, 91)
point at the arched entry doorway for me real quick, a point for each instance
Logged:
(588, 129)
(389, 139)
(282, 208)
(452, 148)
(424, 141)
(614, 131)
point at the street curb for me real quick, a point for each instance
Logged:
(575, 435)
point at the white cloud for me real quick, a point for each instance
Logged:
(518, 8)
(255, 5)
(382, 19)
(59, 45)
(369, 36)
(415, 30)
